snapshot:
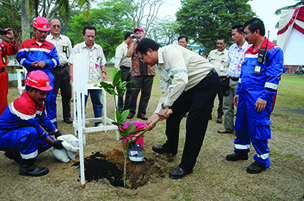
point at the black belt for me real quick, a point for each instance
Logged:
(210, 73)
(234, 78)
(62, 66)
(2, 70)
(124, 67)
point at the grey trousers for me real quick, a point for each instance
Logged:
(228, 106)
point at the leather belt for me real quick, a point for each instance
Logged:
(234, 78)
(209, 74)
(62, 66)
(2, 70)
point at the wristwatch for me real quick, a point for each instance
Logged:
(104, 72)
(163, 106)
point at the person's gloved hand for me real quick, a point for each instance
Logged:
(58, 144)
(57, 133)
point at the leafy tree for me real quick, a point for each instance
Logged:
(164, 31)
(111, 27)
(278, 11)
(204, 21)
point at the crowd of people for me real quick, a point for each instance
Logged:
(247, 76)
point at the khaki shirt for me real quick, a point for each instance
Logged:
(179, 69)
(63, 46)
(95, 61)
(220, 61)
(121, 58)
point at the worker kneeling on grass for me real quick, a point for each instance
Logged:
(21, 135)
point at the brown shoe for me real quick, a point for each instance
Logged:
(225, 131)
(178, 173)
(143, 117)
(130, 116)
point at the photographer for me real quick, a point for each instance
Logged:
(9, 48)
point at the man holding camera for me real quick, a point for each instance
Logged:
(9, 48)
(62, 71)
(259, 79)
(142, 74)
(123, 62)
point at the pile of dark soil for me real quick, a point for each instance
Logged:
(98, 166)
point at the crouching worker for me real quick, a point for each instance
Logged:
(21, 136)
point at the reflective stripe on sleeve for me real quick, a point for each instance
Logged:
(240, 80)
(241, 146)
(22, 60)
(180, 71)
(263, 156)
(54, 62)
(271, 85)
(29, 156)
(53, 120)
(165, 85)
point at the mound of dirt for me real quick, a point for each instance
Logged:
(98, 166)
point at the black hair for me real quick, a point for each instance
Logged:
(255, 24)
(28, 88)
(88, 27)
(146, 44)
(239, 28)
(221, 38)
(183, 36)
(128, 34)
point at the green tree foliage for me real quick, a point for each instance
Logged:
(164, 31)
(111, 27)
(204, 21)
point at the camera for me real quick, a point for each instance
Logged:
(135, 36)
(3, 32)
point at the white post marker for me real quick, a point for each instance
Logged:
(80, 77)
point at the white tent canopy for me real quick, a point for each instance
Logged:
(291, 35)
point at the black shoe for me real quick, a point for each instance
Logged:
(237, 156)
(178, 173)
(130, 116)
(13, 156)
(143, 117)
(68, 120)
(219, 120)
(160, 149)
(255, 168)
(28, 168)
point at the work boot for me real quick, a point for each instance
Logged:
(237, 156)
(28, 168)
(255, 168)
(13, 156)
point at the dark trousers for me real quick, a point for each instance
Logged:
(143, 83)
(62, 81)
(198, 101)
(220, 98)
(125, 76)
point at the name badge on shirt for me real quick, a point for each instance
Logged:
(257, 70)
(97, 62)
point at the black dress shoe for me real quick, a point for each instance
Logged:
(160, 149)
(255, 168)
(178, 173)
(219, 120)
(143, 117)
(68, 121)
(130, 116)
(237, 156)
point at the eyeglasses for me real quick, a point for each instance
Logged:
(141, 58)
(56, 26)
(246, 33)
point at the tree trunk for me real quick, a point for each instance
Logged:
(25, 21)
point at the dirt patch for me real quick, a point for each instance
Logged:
(99, 166)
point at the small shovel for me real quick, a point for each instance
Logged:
(135, 152)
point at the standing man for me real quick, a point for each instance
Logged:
(123, 62)
(259, 79)
(62, 71)
(183, 40)
(235, 58)
(142, 74)
(189, 84)
(96, 66)
(218, 58)
(39, 54)
(21, 135)
(9, 48)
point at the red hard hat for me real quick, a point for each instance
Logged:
(38, 80)
(41, 23)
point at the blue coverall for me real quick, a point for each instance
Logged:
(252, 126)
(29, 52)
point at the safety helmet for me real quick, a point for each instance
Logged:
(38, 80)
(41, 23)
